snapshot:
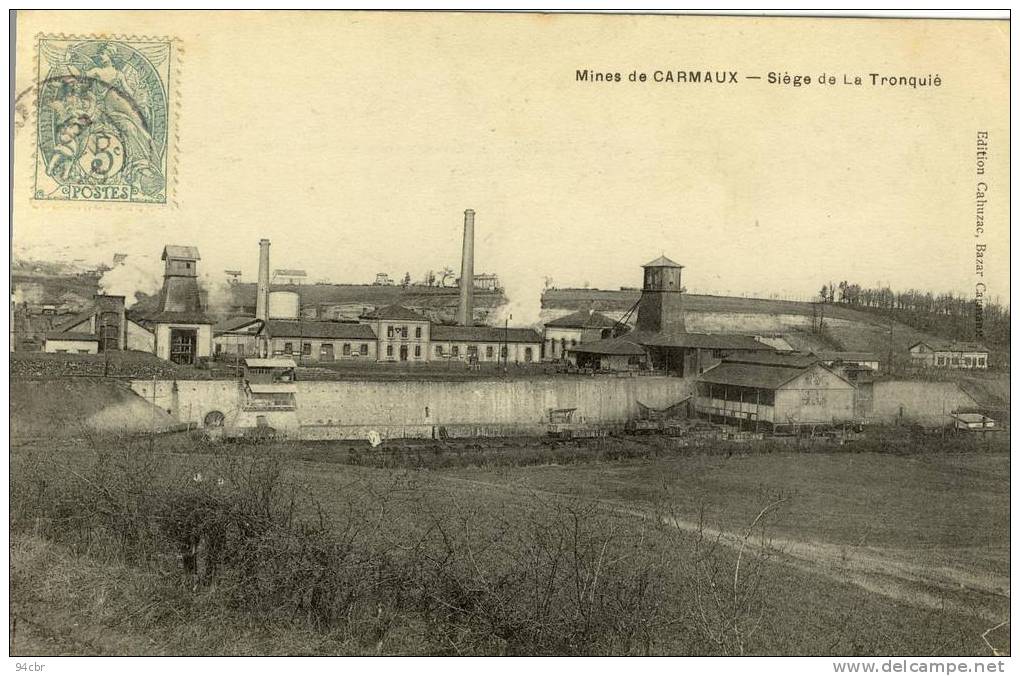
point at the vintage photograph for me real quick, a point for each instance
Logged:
(480, 333)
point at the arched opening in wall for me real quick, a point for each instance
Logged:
(213, 419)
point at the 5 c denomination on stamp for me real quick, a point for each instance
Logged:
(104, 119)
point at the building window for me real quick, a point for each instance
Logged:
(417, 350)
(981, 361)
(488, 351)
(347, 349)
(942, 361)
(389, 331)
(288, 348)
(528, 354)
(956, 361)
(306, 349)
(455, 350)
(439, 350)
(967, 361)
(502, 352)
(417, 332)
(403, 332)
(364, 349)
(389, 350)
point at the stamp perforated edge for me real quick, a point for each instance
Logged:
(173, 122)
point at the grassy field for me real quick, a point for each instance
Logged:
(871, 553)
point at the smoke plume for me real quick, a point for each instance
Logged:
(136, 275)
(523, 291)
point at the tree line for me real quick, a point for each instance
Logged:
(946, 313)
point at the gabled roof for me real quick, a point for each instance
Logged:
(298, 328)
(951, 346)
(482, 334)
(662, 262)
(847, 356)
(583, 319)
(270, 363)
(234, 324)
(792, 359)
(75, 321)
(183, 252)
(72, 335)
(618, 346)
(396, 312)
(758, 375)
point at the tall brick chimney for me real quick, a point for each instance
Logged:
(465, 314)
(262, 289)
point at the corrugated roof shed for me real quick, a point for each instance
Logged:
(295, 328)
(483, 334)
(583, 319)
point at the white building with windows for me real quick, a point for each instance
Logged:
(951, 354)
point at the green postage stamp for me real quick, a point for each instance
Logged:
(104, 122)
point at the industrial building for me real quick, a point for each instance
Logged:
(775, 390)
(949, 354)
(182, 329)
(660, 340)
(103, 326)
(391, 333)
(584, 326)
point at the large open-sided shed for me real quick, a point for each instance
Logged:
(797, 391)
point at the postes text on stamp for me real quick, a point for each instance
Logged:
(103, 119)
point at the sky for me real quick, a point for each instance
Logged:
(356, 141)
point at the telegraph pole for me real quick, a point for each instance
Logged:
(506, 342)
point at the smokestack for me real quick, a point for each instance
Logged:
(465, 316)
(262, 290)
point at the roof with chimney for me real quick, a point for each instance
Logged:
(483, 334)
(396, 313)
(583, 319)
(189, 253)
(662, 262)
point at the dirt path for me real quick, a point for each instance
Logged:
(887, 571)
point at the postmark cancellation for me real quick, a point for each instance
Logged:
(104, 119)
